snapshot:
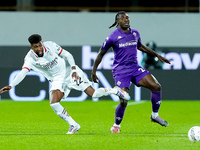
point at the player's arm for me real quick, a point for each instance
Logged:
(147, 50)
(96, 64)
(20, 76)
(68, 57)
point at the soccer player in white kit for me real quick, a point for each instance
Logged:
(59, 67)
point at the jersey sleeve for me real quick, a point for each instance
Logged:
(107, 44)
(57, 48)
(20, 76)
(68, 56)
(63, 53)
(27, 63)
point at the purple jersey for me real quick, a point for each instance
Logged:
(125, 49)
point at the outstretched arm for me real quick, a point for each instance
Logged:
(145, 49)
(96, 64)
(16, 81)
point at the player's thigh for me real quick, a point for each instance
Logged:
(89, 91)
(150, 82)
(56, 96)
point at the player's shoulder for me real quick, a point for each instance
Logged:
(135, 31)
(30, 56)
(113, 35)
(52, 46)
(49, 43)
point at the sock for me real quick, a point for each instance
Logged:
(119, 114)
(156, 101)
(62, 113)
(154, 115)
(102, 92)
(116, 125)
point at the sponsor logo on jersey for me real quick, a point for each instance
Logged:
(49, 65)
(127, 44)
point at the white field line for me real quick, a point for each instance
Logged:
(134, 103)
(163, 135)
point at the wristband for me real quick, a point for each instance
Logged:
(74, 70)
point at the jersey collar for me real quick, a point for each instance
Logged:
(122, 32)
(45, 50)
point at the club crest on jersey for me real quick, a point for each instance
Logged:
(134, 34)
(58, 47)
(118, 83)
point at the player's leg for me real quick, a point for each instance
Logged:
(96, 93)
(55, 97)
(85, 85)
(150, 82)
(123, 81)
(119, 114)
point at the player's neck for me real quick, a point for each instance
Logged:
(126, 30)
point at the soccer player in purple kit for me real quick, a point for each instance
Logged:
(125, 41)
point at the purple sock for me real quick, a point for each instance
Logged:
(119, 113)
(156, 100)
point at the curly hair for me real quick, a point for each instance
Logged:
(35, 38)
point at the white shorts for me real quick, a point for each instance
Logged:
(65, 84)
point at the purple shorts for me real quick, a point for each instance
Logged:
(134, 76)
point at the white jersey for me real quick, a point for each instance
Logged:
(51, 65)
(55, 65)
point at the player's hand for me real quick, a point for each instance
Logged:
(5, 89)
(94, 78)
(162, 59)
(75, 76)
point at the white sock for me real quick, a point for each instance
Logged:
(103, 92)
(62, 113)
(154, 115)
(116, 125)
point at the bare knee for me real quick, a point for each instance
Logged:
(56, 96)
(156, 87)
(123, 102)
(89, 91)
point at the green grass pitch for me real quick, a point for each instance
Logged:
(34, 126)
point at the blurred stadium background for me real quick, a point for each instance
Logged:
(81, 27)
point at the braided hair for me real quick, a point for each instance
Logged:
(116, 18)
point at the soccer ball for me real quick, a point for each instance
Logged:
(194, 133)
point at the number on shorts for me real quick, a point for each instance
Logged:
(141, 69)
(79, 81)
